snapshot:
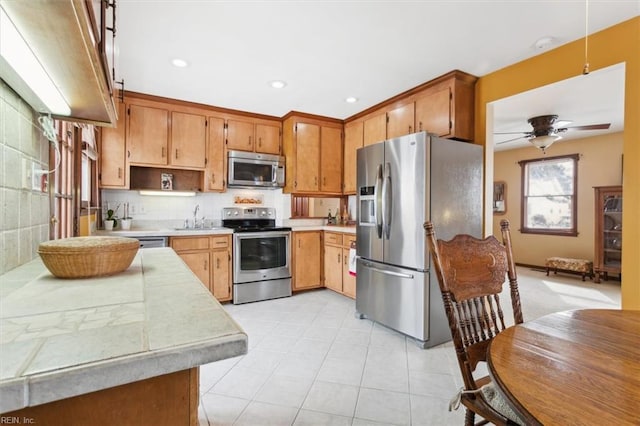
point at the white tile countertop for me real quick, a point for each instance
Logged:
(62, 338)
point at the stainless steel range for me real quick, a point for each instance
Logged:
(261, 255)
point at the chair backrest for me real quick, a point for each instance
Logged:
(471, 273)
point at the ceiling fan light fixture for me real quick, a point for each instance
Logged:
(544, 142)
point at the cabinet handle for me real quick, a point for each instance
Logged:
(205, 264)
(299, 244)
(249, 140)
(339, 257)
(410, 129)
(260, 142)
(213, 178)
(218, 263)
(315, 181)
(128, 154)
(324, 180)
(163, 152)
(176, 153)
(420, 126)
(345, 261)
(119, 172)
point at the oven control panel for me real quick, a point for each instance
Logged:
(249, 213)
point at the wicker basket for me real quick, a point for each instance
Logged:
(84, 257)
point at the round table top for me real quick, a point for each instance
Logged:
(573, 367)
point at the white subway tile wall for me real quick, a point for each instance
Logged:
(25, 213)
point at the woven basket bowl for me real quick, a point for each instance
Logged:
(85, 257)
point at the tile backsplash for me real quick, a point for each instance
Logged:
(25, 213)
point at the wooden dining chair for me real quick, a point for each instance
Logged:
(471, 273)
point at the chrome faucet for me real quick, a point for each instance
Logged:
(195, 216)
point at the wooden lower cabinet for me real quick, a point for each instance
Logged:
(209, 257)
(336, 263)
(306, 260)
(170, 399)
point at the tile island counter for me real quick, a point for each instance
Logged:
(123, 349)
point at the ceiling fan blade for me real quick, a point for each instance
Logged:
(510, 140)
(603, 126)
(512, 133)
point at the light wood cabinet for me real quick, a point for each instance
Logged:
(188, 140)
(114, 170)
(400, 121)
(330, 159)
(336, 263)
(154, 140)
(209, 257)
(306, 260)
(250, 136)
(148, 135)
(313, 151)
(375, 129)
(353, 139)
(608, 231)
(214, 178)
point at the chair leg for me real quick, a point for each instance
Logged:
(469, 418)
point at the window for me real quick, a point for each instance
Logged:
(549, 195)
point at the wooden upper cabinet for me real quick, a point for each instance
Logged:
(375, 129)
(307, 160)
(240, 135)
(267, 139)
(400, 121)
(214, 178)
(330, 159)
(433, 112)
(353, 139)
(114, 172)
(188, 140)
(148, 135)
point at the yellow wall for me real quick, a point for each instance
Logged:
(600, 164)
(620, 43)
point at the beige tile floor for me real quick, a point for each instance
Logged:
(310, 362)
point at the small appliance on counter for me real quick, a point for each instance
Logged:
(261, 257)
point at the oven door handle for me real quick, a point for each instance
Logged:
(267, 234)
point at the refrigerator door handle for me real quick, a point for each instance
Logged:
(379, 201)
(385, 272)
(387, 196)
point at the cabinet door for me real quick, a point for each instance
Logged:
(333, 268)
(240, 135)
(113, 161)
(307, 157)
(198, 262)
(148, 135)
(221, 263)
(330, 159)
(214, 175)
(348, 280)
(433, 112)
(306, 260)
(267, 139)
(375, 129)
(188, 140)
(353, 135)
(400, 121)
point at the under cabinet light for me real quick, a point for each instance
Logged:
(16, 54)
(168, 193)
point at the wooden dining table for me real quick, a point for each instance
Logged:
(579, 367)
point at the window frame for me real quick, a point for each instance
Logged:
(570, 232)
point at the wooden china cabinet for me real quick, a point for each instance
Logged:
(608, 232)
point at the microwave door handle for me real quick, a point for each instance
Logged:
(378, 206)
(386, 201)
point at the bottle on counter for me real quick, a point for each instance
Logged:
(329, 218)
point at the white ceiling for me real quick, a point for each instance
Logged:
(329, 50)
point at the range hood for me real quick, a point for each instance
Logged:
(61, 35)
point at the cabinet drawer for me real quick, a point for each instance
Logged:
(189, 243)
(219, 242)
(332, 238)
(348, 239)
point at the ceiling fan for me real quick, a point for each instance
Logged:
(547, 130)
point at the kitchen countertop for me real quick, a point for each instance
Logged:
(168, 232)
(63, 338)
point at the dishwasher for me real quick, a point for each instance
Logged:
(152, 242)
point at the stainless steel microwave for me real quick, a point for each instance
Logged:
(254, 170)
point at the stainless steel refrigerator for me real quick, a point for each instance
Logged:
(401, 183)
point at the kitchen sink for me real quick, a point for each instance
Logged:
(212, 228)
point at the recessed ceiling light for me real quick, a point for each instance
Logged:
(351, 99)
(277, 84)
(180, 63)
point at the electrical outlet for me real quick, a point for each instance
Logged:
(37, 175)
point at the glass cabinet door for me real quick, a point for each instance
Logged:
(608, 233)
